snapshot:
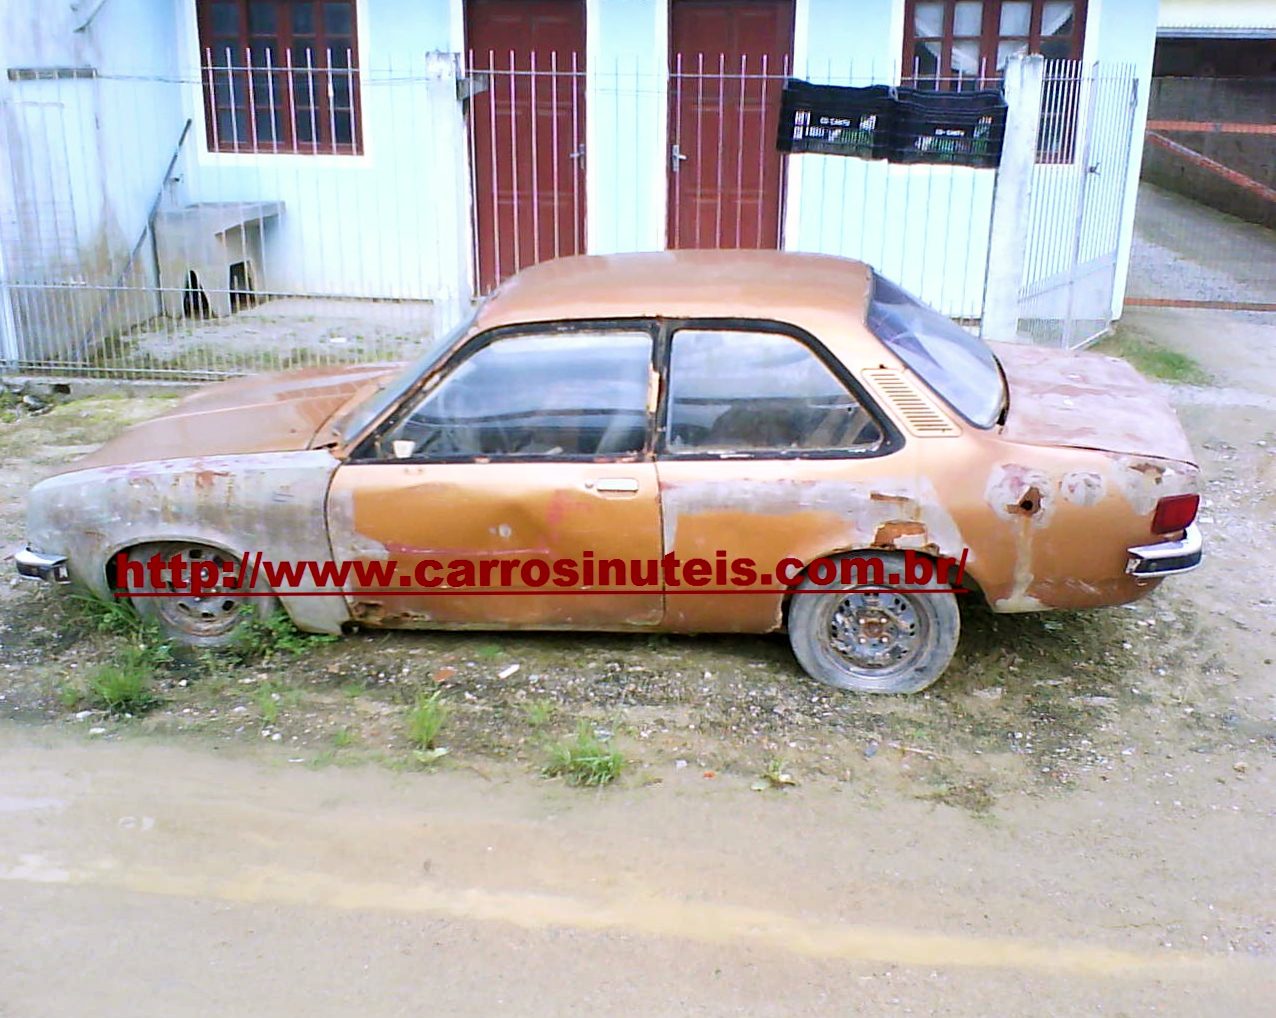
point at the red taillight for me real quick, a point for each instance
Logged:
(1175, 513)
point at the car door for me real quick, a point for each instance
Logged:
(531, 446)
(767, 450)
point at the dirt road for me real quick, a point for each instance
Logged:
(143, 879)
(1117, 860)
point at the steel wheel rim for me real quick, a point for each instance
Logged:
(875, 634)
(213, 614)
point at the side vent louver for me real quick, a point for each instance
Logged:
(919, 412)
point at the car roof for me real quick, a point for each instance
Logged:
(774, 285)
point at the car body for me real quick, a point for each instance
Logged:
(581, 410)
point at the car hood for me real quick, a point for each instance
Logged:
(278, 412)
(1087, 401)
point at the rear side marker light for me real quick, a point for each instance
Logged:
(1175, 513)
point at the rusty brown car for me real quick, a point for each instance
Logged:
(766, 405)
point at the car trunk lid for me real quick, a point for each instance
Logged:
(1087, 401)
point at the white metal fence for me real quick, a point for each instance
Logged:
(259, 216)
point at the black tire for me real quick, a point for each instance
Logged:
(888, 642)
(213, 620)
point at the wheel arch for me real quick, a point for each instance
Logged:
(300, 610)
(969, 583)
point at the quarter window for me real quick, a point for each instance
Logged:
(759, 392)
(562, 395)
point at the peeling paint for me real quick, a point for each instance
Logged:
(227, 502)
(1082, 487)
(1015, 490)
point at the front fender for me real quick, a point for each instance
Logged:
(268, 502)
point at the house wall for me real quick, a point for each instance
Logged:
(390, 222)
(908, 221)
(926, 226)
(86, 157)
(80, 166)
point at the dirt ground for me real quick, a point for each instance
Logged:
(1078, 819)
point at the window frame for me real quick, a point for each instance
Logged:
(366, 448)
(892, 438)
(285, 106)
(989, 36)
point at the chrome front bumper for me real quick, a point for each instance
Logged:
(1168, 557)
(34, 566)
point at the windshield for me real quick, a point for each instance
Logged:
(957, 365)
(394, 390)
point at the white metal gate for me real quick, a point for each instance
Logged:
(1077, 202)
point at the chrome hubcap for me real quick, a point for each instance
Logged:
(875, 630)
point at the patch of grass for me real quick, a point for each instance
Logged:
(271, 699)
(773, 776)
(10, 406)
(324, 759)
(268, 703)
(584, 759)
(261, 639)
(488, 652)
(1153, 360)
(125, 685)
(540, 712)
(427, 718)
(342, 738)
(116, 617)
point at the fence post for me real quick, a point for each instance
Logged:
(1008, 240)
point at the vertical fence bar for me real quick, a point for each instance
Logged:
(554, 149)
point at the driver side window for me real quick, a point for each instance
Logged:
(566, 394)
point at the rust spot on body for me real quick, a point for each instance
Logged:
(897, 533)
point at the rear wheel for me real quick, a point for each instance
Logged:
(875, 638)
(212, 619)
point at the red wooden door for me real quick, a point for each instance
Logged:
(728, 60)
(526, 132)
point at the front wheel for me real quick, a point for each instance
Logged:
(875, 638)
(213, 619)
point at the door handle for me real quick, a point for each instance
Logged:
(675, 157)
(615, 485)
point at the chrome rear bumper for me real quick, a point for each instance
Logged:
(32, 565)
(1168, 557)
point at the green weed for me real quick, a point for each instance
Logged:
(272, 699)
(260, 639)
(584, 759)
(343, 738)
(540, 712)
(125, 685)
(427, 718)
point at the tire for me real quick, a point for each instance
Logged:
(890, 642)
(213, 620)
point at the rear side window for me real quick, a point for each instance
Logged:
(957, 365)
(759, 392)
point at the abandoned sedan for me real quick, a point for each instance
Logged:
(719, 406)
